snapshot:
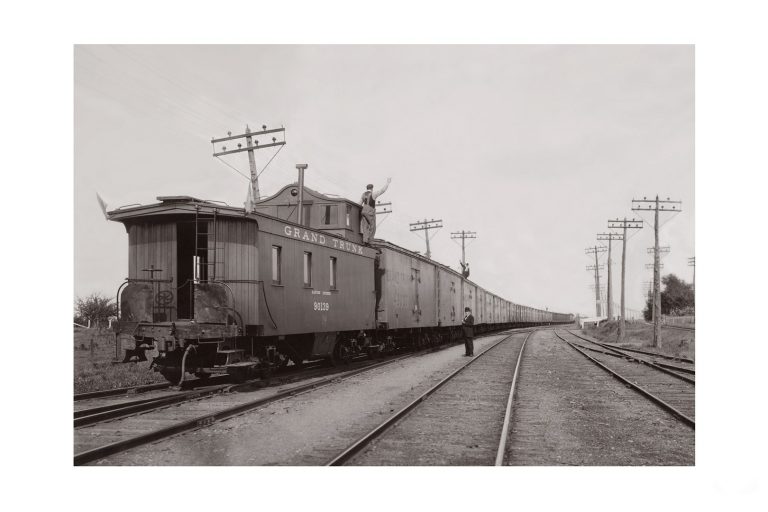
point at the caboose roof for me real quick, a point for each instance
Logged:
(174, 205)
(284, 194)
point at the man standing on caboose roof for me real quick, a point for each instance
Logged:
(368, 214)
(469, 332)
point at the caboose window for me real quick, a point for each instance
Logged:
(333, 273)
(277, 265)
(307, 269)
(349, 211)
(329, 215)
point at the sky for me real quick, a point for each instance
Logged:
(532, 147)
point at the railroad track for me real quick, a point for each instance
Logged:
(671, 390)
(119, 427)
(681, 365)
(505, 353)
(672, 326)
(121, 391)
(679, 327)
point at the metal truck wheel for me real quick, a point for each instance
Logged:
(341, 354)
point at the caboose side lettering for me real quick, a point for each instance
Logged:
(308, 236)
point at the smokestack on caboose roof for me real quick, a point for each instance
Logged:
(301, 168)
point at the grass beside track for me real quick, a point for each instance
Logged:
(674, 342)
(94, 371)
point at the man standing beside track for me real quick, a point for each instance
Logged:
(469, 332)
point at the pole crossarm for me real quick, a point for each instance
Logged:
(385, 208)
(610, 236)
(249, 134)
(649, 266)
(625, 223)
(692, 262)
(595, 250)
(593, 267)
(645, 204)
(662, 250)
(427, 224)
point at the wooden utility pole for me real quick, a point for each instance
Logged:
(595, 250)
(425, 226)
(624, 224)
(463, 235)
(610, 237)
(251, 144)
(602, 296)
(596, 269)
(656, 205)
(692, 263)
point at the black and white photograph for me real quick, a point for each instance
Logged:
(450, 248)
(381, 255)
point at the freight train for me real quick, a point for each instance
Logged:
(215, 289)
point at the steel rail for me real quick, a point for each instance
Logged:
(209, 419)
(665, 368)
(646, 352)
(642, 361)
(508, 413)
(111, 407)
(117, 411)
(679, 327)
(674, 326)
(121, 391)
(612, 354)
(686, 419)
(361, 443)
(677, 368)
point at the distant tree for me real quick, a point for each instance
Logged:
(677, 298)
(96, 307)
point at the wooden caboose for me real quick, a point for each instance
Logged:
(244, 287)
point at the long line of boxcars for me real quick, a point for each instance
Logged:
(216, 289)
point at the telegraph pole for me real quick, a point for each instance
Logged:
(250, 145)
(425, 226)
(656, 205)
(463, 235)
(692, 263)
(595, 250)
(610, 237)
(602, 295)
(624, 224)
(596, 268)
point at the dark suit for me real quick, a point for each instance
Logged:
(469, 334)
